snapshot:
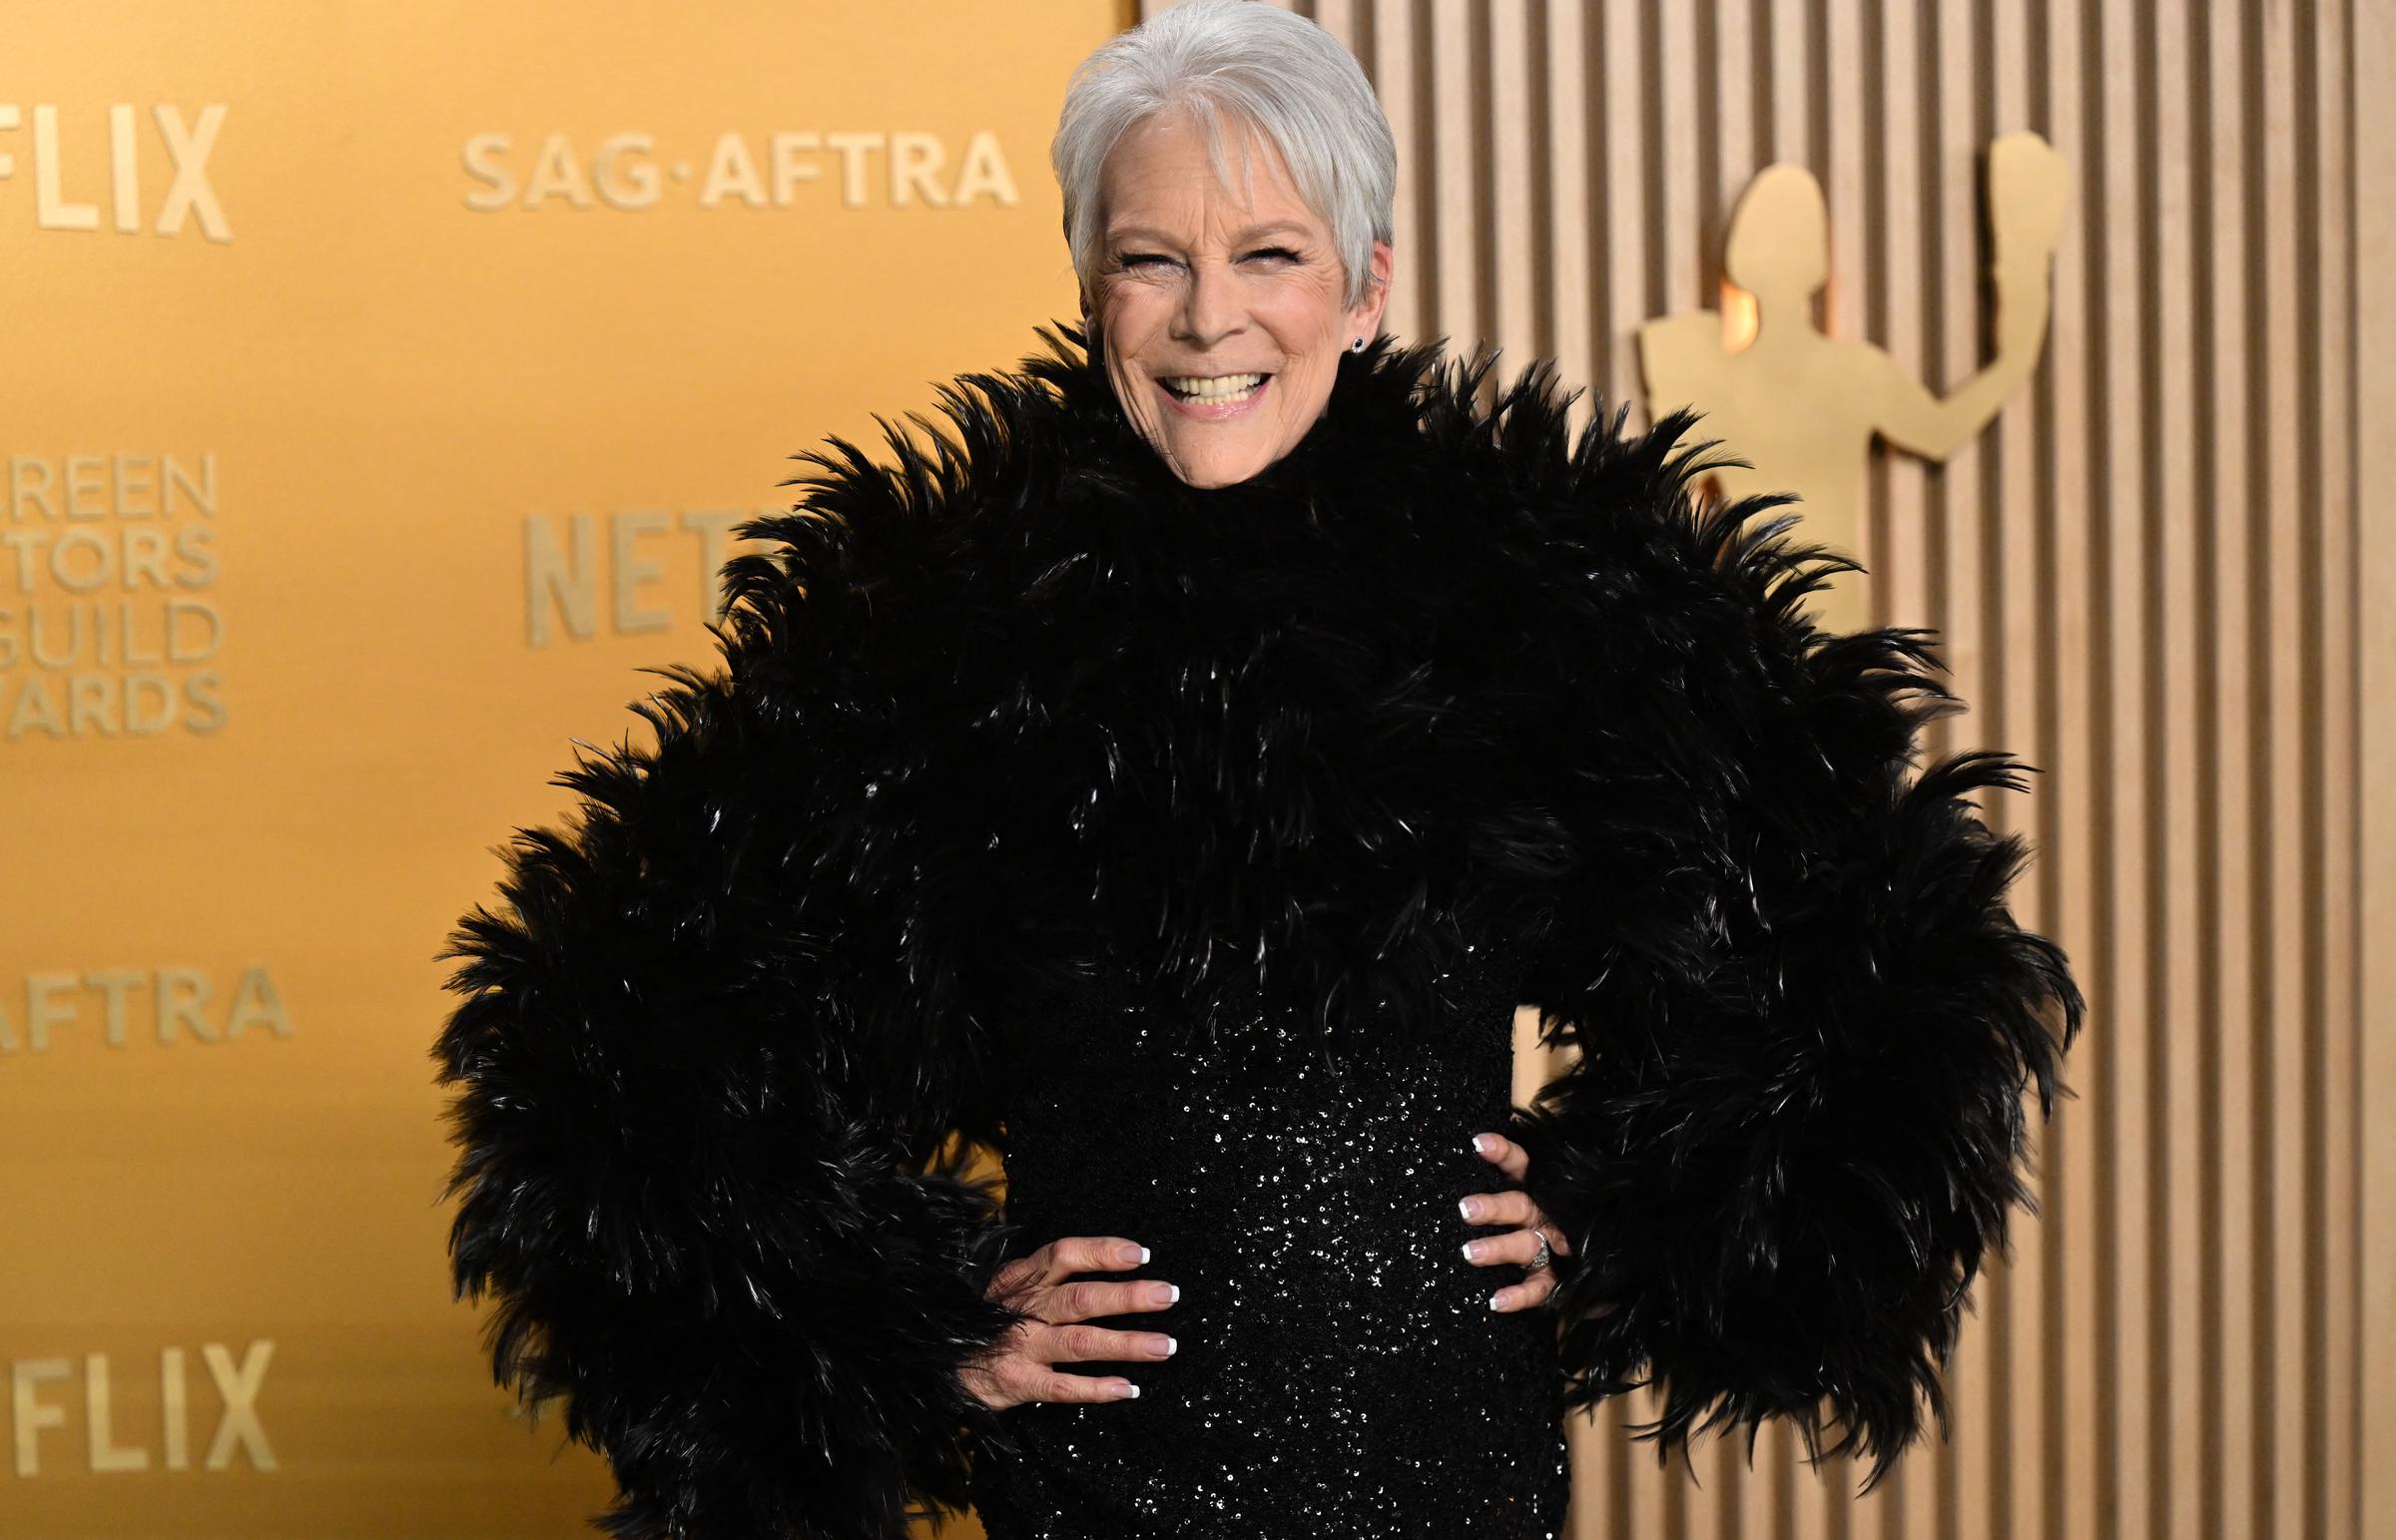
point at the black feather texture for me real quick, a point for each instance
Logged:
(1016, 706)
(1805, 1017)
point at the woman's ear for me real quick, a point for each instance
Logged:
(1366, 317)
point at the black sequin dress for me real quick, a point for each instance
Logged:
(1027, 715)
(1339, 1369)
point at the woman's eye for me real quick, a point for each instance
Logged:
(1130, 260)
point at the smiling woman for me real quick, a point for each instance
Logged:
(1176, 780)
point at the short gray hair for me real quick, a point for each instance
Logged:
(1274, 70)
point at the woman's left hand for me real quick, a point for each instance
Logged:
(1520, 1244)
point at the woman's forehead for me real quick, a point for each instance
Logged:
(1160, 184)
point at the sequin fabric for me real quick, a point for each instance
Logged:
(1339, 1371)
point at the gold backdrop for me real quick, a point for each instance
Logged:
(382, 380)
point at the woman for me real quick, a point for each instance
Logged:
(1173, 778)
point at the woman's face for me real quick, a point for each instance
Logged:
(1200, 292)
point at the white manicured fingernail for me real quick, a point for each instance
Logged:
(1143, 1262)
(1176, 1288)
(1468, 1251)
(1130, 1391)
(1463, 1206)
(1492, 1301)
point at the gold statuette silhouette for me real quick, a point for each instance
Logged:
(1801, 409)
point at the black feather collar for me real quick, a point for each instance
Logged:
(1272, 743)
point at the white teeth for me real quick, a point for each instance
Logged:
(1213, 388)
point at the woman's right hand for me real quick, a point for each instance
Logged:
(1041, 1285)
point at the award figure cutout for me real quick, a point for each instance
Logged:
(1802, 408)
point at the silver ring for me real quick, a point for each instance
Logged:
(1545, 1255)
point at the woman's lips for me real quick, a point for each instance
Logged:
(1216, 411)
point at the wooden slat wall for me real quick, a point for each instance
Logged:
(2143, 575)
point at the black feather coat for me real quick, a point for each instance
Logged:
(1021, 701)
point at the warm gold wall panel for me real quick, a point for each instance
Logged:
(400, 396)
(2145, 572)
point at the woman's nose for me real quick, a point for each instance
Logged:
(1210, 307)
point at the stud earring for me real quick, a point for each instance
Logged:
(1357, 346)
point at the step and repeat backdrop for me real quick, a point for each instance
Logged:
(383, 382)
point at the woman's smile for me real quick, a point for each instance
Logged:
(1214, 397)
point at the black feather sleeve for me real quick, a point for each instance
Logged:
(1805, 1018)
(710, 1050)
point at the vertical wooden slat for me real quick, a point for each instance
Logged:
(1846, 185)
(1628, 215)
(2287, 1405)
(1572, 223)
(2185, 857)
(1734, 85)
(1685, 259)
(2219, 624)
(2338, 1351)
(1854, 271)
(2078, 1446)
(1795, 82)
(1511, 198)
(2369, 42)
(2128, 1005)
(1455, 304)
(1393, 69)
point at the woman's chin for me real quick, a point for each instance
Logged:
(1216, 469)
(1210, 455)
